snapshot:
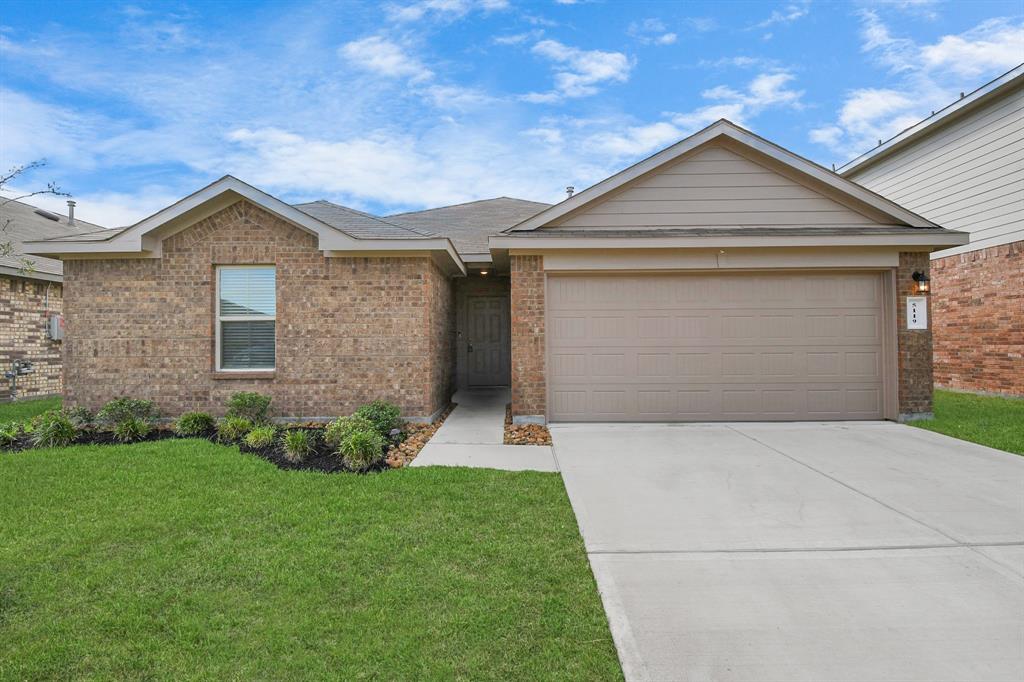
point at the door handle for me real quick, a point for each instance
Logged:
(469, 347)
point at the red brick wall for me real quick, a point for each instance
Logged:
(440, 327)
(349, 329)
(978, 304)
(914, 346)
(25, 305)
(529, 390)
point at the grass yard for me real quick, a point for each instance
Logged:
(187, 560)
(20, 410)
(995, 422)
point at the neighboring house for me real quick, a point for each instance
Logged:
(30, 294)
(723, 278)
(963, 167)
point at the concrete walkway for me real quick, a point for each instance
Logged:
(473, 435)
(843, 551)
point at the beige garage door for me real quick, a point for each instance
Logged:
(713, 347)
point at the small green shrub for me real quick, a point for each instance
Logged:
(123, 409)
(233, 429)
(261, 437)
(195, 425)
(249, 405)
(79, 416)
(53, 429)
(339, 429)
(131, 430)
(385, 416)
(9, 434)
(298, 444)
(360, 450)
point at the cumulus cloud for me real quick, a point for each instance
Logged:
(384, 57)
(578, 73)
(930, 76)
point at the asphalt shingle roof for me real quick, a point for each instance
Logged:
(469, 225)
(24, 224)
(358, 224)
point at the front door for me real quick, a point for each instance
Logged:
(487, 343)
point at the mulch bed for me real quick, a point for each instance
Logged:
(524, 434)
(322, 459)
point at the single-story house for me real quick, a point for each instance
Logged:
(723, 278)
(962, 168)
(31, 289)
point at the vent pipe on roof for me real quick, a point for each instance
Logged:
(569, 190)
(71, 212)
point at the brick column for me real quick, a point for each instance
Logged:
(914, 345)
(529, 389)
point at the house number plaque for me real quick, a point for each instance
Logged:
(917, 312)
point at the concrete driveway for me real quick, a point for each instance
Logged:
(844, 551)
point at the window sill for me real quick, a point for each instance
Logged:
(243, 375)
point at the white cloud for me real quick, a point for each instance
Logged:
(996, 43)
(579, 72)
(930, 76)
(381, 56)
(702, 24)
(518, 38)
(651, 31)
(787, 15)
(443, 10)
(635, 140)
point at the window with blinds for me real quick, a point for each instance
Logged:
(246, 317)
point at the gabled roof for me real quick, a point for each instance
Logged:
(990, 91)
(146, 236)
(358, 224)
(21, 222)
(469, 225)
(724, 129)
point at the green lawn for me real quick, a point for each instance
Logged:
(995, 422)
(187, 560)
(20, 410)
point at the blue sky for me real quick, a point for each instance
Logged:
(404, 105)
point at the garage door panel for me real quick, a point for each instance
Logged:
(692, 347)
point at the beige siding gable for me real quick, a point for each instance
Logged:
(715, 187)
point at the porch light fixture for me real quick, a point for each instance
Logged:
(922, 281)
(483, 273)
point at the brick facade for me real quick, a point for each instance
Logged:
(349, 329)
(25, 306)
(529, 389)
(978, 303)
(914, 346)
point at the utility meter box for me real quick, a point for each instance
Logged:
(55, 327)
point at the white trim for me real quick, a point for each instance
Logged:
(983, 94)
(218, 319)
(723, 128)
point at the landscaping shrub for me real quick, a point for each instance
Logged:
(385, 416)
(53, 429)
(131, 430)
(249, 405)
(339, 429)
(233, 429)
(79, 416)
(361, 450)
(195, 425)
(123, 409)
(9, 434)
(298, 444)
(261, 437)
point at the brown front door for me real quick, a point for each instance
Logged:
(487, 343)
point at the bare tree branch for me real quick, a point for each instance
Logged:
(6, 245)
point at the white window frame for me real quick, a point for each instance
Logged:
(218, 318)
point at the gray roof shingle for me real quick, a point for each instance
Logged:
(358, 224)
(469, 225)
(24, 224)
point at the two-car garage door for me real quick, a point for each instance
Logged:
(706, 347)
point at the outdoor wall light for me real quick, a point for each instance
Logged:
(922, 281)
(483, 273)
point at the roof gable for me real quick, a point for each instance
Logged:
(742, 153)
